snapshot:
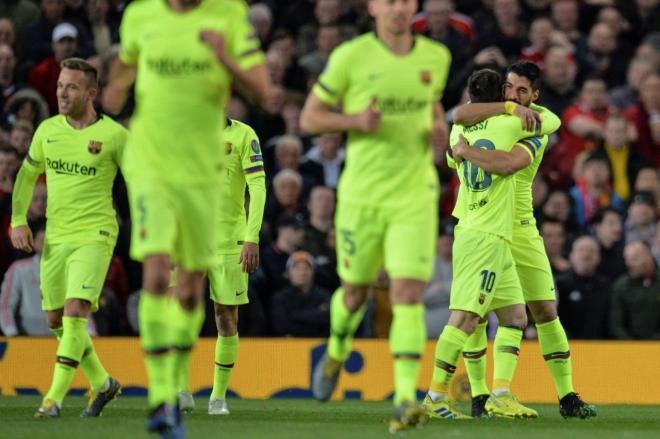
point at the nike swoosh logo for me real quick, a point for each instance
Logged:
(240, 292)
(51, 140)
(87, 287)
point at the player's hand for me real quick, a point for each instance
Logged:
(369, 120)
(530, 119)
(21, 238)
(460, 148)
(216, 41)
(249, 257)
(439, 138)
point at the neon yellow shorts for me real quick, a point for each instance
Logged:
(174, 219)
(485, 277)
(532, 264)
(73, 271)
(401, 240)
(229, 285)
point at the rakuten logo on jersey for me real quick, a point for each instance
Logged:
(68, 168)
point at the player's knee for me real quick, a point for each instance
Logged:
(190, 301)
(157, 274)
(54, 319)
(77, 308)
(544, 312)
(355, 297)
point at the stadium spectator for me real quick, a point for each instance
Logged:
(558, 80)
(97, 28)
(583, 294)
(301, 309)
(554, 238)
(635, 301)
(641, 221)
(290, 236)
(288, 155)
(593, 190)
(321, 206)
(20, 299)
(436, 295)
(627, 95)
(326, 12)
(603, 56)
(620, 27)
(623, 158)
(7, 32)
(36, 214)
(28, 105)
(261, 18)
(328, 152)
(566, 15)
(507, 31)
(20, 137)
(286, 197)
(39, 34)
(645, 116)
(9, 163)
(327, 38)
(295, 77)
(608, 231)
(650, 50)
(22, 13)
(268, 122)
(648, 180)
(544, 36)
(8, 81)
(43, 77)
(656, 245)
(558, 207)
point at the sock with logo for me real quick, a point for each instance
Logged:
(69, 354)
(407, 336)
(226, 352)
(157, 338)
(507, 351)
(557, 355)
(474, 357)
(447, 351)
(343, 325)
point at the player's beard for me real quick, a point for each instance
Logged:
(76, 108)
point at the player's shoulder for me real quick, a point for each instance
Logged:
(241, 127)
(432, 47)
(110, 124)
(227, 7)
(51, 123)
(141, 8)
(359, 46)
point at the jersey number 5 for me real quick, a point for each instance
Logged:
(476, 178)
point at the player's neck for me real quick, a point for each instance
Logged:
(182, 7)
(84, 120)
(400, 45)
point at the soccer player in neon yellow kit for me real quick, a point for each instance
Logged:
(79, 150)
(521, 86)
(389, 84)
(238, 249)
(183, 55)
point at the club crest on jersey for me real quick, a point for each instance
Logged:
(228, 148)
(482, 298)
(94, 146)
(425, 76)
(255, 147)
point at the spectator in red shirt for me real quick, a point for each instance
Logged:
(645, 116)
(43, 77)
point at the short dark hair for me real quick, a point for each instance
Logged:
(526, 69)
(6, 149)
(83, 66)
(601, 213)
(485, 85)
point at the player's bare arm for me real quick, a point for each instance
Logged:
(439, 132)
(122, 77)
(498, 162)
(469, 114)
(253, 83)
(317, 117)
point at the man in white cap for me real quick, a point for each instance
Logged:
(43, 77)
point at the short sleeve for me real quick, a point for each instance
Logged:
(245, 46)
(252, 159)
(129, 49)
(333, 82)
(35, 155)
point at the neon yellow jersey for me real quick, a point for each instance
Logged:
(245, 167)
(486, 201)
(394, 165)
(181, 88)
(80, 167)
(525, 177)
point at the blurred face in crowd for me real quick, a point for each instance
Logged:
(276, 66)
(557, 206)
(648, 180)
(290, 237)
(287, 192)
(611, 17)
(610, 230)
(7, 65)
(329, 144)
(594, 94)
(19, 139)
(596, 173)
(602, 40)
(74, 93)
(565, 14)
(291, 116)
(8, 163)
(97, 10)
(585, 256)
(641, 214)
(261, 20)
(650, 95)
(275, 100)
(327, 11)
(236, 109)
(647, 52)
(37, 209)
(519, 89)
(65, 48)
(558, 70)
(506, 11)
(553, 237)
(301, 275)
(646, 5)
(321, 203)
(287, 154)
(53, 10)
(638, 69)
(639, 259)
(27, 111)
(616, 131)
(540, 32)
(328, 38)
(394, 16)
(7, 32)
(286, 46)
(437, 15)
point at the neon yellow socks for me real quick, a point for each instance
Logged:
(447, 351)
(407, 336)
(226, 352)
(557, 355)
(474, 357)
(507, 351)
(69, 353)
(343, 325)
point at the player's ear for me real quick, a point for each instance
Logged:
(536, 95)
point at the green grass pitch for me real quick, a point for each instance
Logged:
(293, 419)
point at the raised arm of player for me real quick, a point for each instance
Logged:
(496, 161)
(469, 114)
